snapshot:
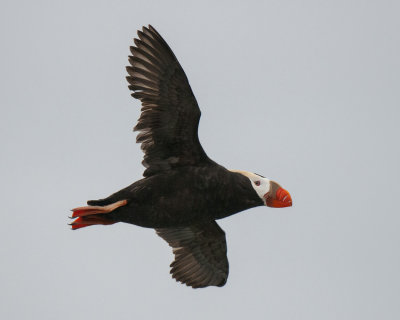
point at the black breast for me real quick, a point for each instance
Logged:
(237, 194)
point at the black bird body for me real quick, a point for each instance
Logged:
(183, 196)
(183, 191)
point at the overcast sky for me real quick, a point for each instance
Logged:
(303, 92)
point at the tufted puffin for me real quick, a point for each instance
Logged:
(183, 191)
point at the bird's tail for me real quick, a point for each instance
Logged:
(91, 215)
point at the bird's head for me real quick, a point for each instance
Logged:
(270, 192)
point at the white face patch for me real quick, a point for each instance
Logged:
(260, 184)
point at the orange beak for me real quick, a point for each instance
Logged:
(282, 199)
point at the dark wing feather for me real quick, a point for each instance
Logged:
(170, 115)
(200, 254)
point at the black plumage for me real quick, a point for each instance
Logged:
(200, 254)
(170, 114)
(183, 192)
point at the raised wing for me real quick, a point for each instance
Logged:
(200, 254)
(170, 114)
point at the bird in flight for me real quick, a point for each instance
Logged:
(183, 191)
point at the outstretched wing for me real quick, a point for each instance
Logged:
(170, 114)
(200, 254)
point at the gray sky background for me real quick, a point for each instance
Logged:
(304, 92)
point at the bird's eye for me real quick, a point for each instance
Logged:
(257, 183)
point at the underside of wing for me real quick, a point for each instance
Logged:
(170, 115)
(200, 254)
